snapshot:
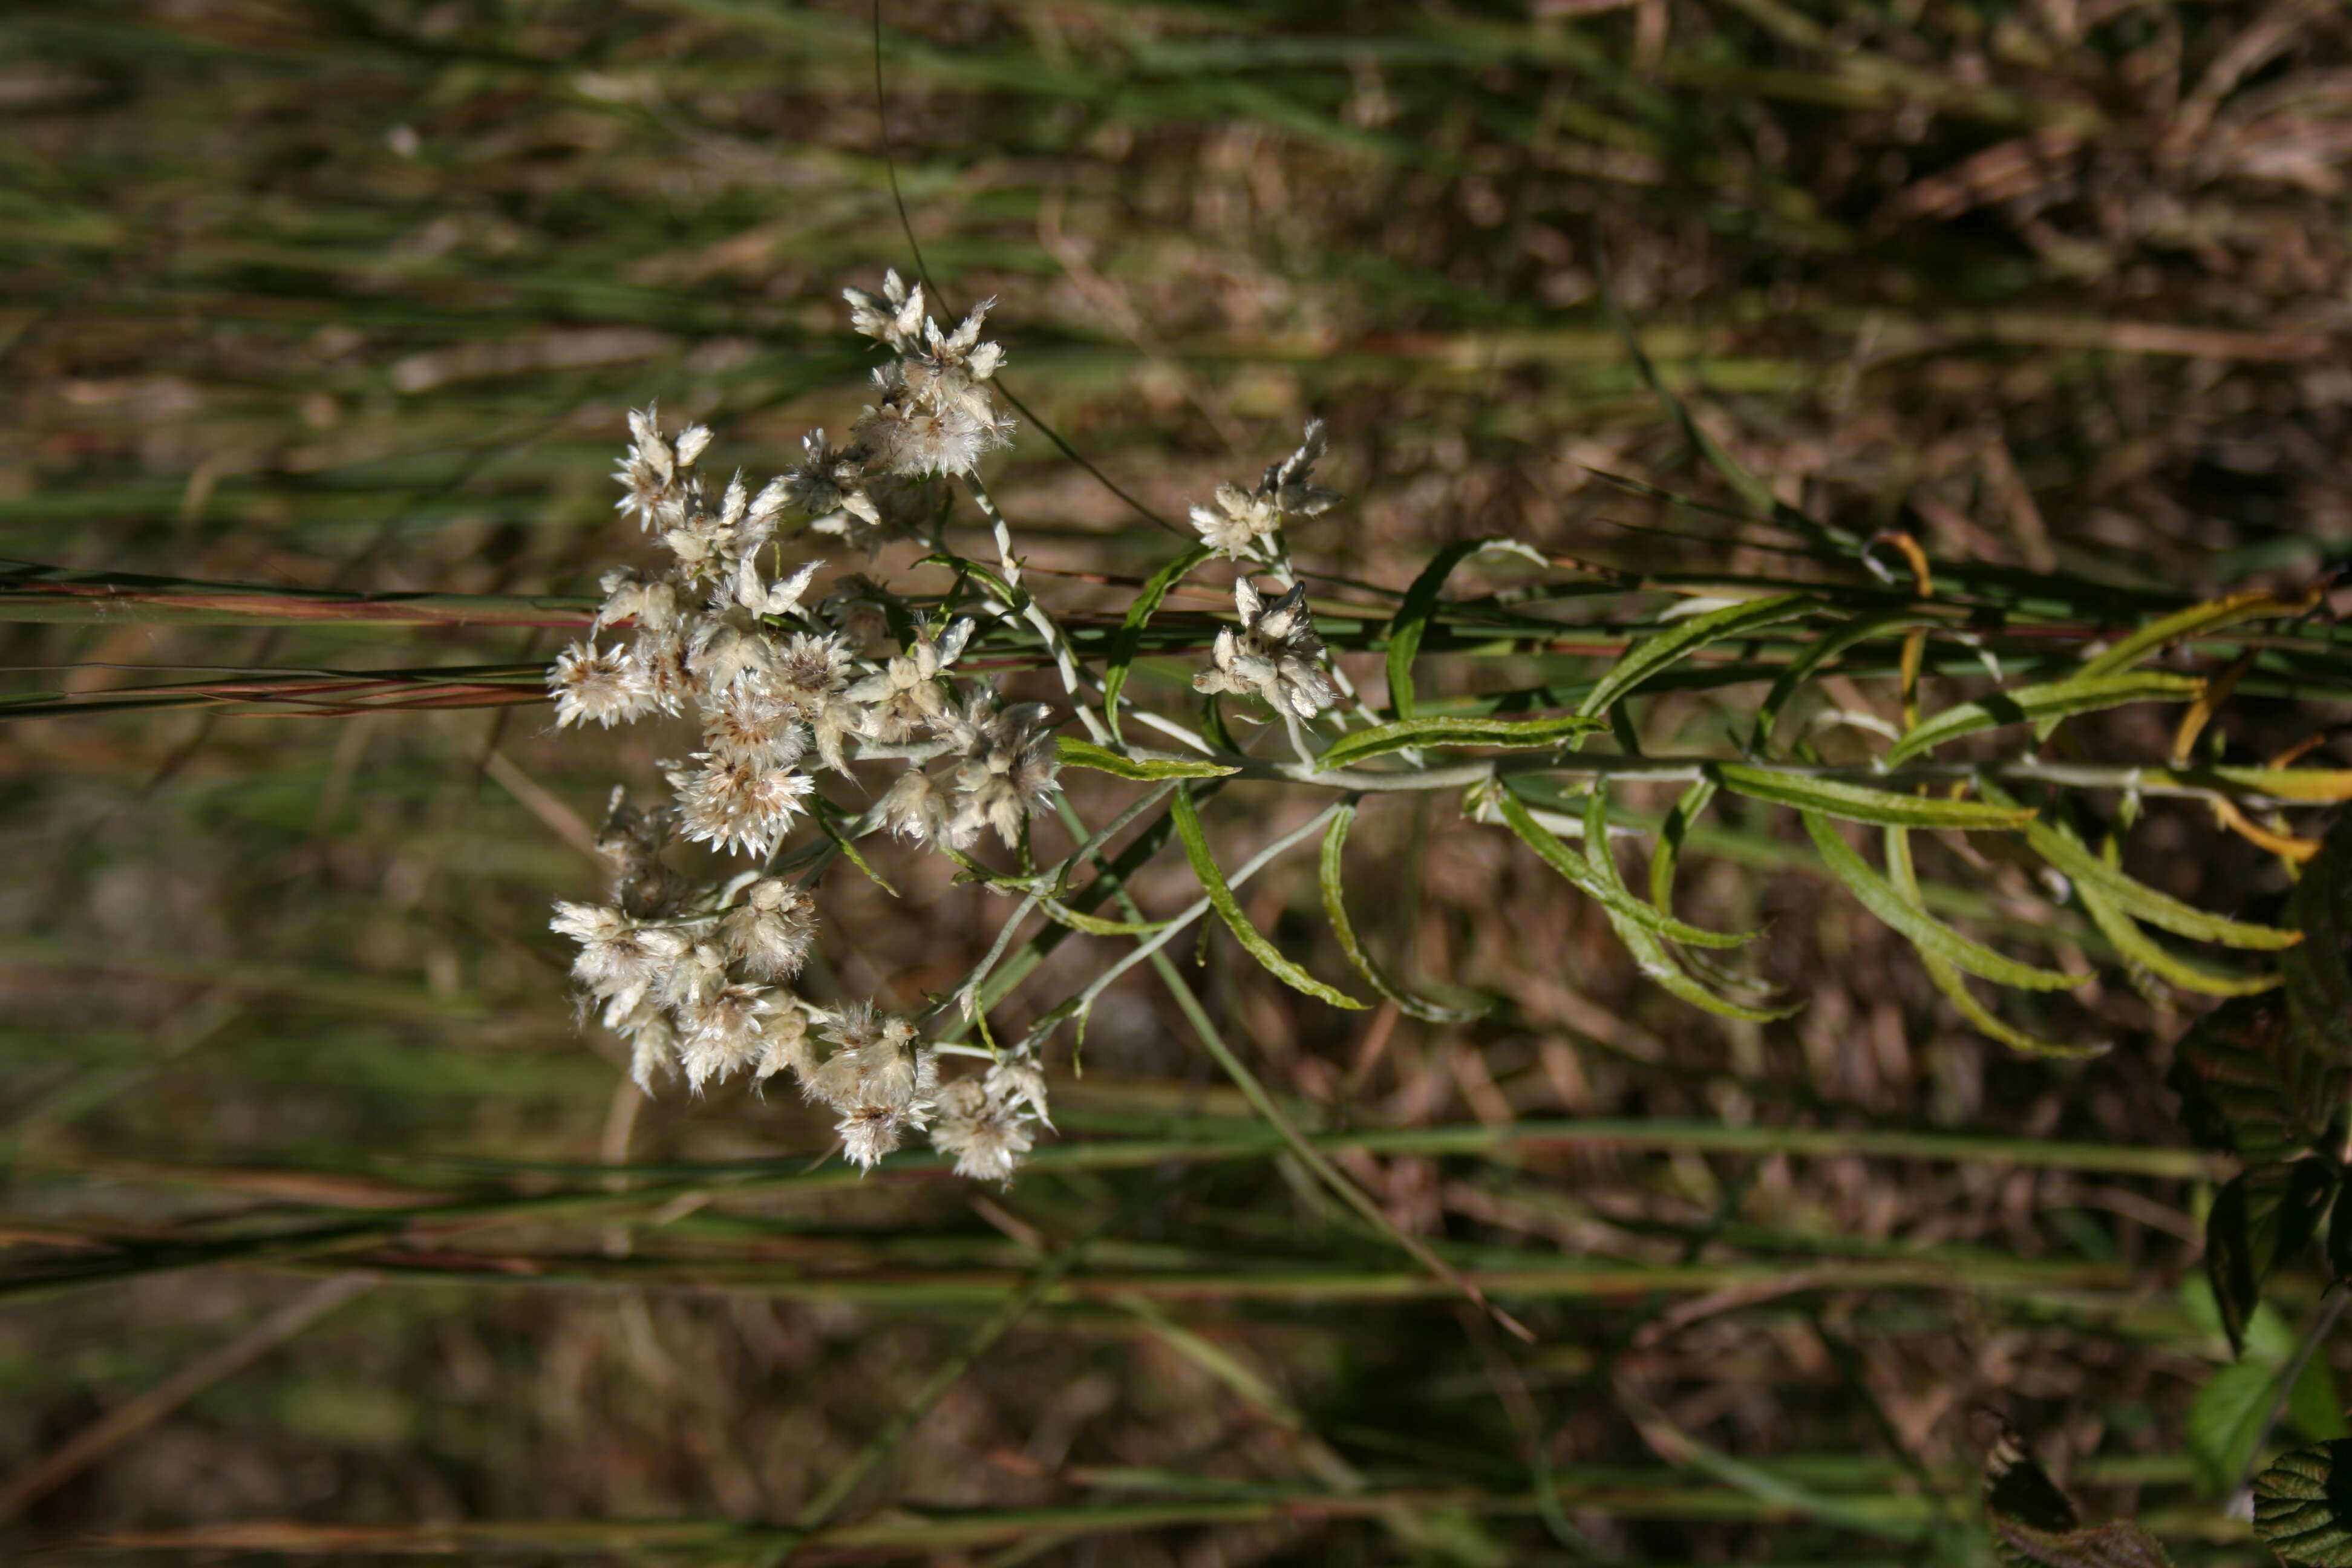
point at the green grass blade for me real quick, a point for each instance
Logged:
(1131, 627)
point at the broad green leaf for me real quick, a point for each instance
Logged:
(1130, 638)
(1096, 925)
(1925, 933)
(2261, 1218)
(2057, 844)
(2303, 1505)
(2035, 1525)
(1610, 890)
(1187, 818)
(1647, 657)
(2137, 947)
(2057, 699)
(2319, 972)
(1456, 731)
(2226, 1420)
(1075, 753)
(1650, 954)
(1955, 985)
(1860, 803)
(1335, 907)
(2248, 1087)
(1413, 616)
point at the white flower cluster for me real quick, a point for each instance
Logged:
(1274, 654)
(1245, 524)
(697, 975)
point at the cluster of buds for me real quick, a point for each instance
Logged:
(1273, 654)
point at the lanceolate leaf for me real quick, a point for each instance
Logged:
(1860, 803)
(2083, 694)
(1130, 630)
(1456, 731)
(2262, 1217)
(2303, 1505)
(1335, 907)
(1096, 925)
(1075, 753)
(1221, 898)
(1925, 933)
(1609, 892)
(1653, 654)
(1954, 984)
(1820, 652)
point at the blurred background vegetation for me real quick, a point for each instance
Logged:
(353, 295)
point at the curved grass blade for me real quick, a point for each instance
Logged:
(2053, 699)
(1130, 638)
(1076, 754)
(1925, 933)
(1860, 803)
(2057, 844)
(1335, 907)
(1955, 987)
(1469, 731)
(1650, 954)
(1182, 811)
(1651, 654)
(1607, 890)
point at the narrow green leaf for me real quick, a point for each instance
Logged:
(1335, 908)
(849, 850)
(1608, 889)
(2056, 699)
(1650, 954)
(2303, 1505)
(1130, 638)
(1860, 803)
(2138, 947)
(1187, 818)
(1669, 850)
(1653, 654)
(1925, 933)
(2058, 844)
(2193, 621)
(1954, 984)
(1469, 730)
(1076, 754)
(1097, 925)
(1413, 616)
